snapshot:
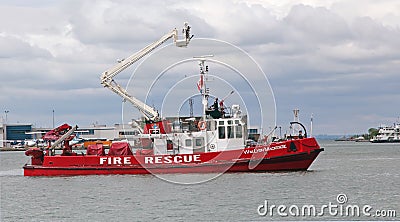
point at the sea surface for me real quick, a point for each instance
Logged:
(346, 173)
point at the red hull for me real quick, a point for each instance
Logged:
(280, 156)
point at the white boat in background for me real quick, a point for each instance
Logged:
(388, 134)
(34, 142)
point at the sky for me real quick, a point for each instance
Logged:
(338, 60)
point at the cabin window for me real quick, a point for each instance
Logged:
(229, 122)
(238, 130)
(199, 142)
(230, 132)
(221, 123)
(221, 132)
(188, 142)
(237, 122)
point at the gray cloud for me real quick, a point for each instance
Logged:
(15, 48)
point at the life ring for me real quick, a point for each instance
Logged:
(202, 125)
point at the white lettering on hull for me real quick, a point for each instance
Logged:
(126, 160)
(151, 159)
(265, 149)
(171, 159)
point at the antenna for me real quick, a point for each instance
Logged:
(311, 128)
(296, 119)
(191, 107)
(296, 115)
(202, 83)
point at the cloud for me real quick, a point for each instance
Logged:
(14, 47)
(315, 26)
(122, 22)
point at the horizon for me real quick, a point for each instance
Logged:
(336, 60)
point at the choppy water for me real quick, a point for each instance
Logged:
(369, 174)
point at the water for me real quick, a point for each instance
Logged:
(369, 174)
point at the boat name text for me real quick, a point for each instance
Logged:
(283, 146)
(265, 149)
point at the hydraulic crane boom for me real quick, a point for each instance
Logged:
(107, 76)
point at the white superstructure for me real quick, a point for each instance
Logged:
(388, 134)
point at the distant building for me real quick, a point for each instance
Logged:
(116, 132)
(103, 132)
(15, 132)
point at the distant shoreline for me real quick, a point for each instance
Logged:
(12, 149)
(27, 148)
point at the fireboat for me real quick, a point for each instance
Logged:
(215, 142)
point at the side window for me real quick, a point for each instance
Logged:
(199, 142)
(230, 132)
(221, 132)
(188, 142)
(238, 131)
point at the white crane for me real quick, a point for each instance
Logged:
(107, 76)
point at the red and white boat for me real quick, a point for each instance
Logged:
(215, 142)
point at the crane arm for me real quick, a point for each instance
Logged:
(227, 96)
(64, 137)
(107, 76)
